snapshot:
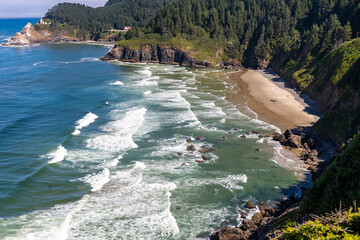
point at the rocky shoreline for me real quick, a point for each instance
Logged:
(316, 153)
(164, 55)
(30, 36)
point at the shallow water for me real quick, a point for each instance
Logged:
(88, 149)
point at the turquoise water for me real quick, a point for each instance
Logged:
(88, 149)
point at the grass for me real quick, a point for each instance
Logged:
(200, 49)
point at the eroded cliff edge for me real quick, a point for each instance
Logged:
(29, 36)
(164, 55)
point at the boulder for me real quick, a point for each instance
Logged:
(264, 135)
(204, 158)
(278, 137)
(199, 161)
(206, 150)
(189, 140)
(191, 148)
(228, 233)
(250, 205)
(258, 217)
(199, 138)
(242, 136)
(179, 154)
(255, 132)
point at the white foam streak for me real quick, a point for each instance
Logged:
(97, 181)
(84, 122)
(117, 83)
(58, 155)
(119, 133)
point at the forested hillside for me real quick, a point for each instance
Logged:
(296, 38)
(87, 22)
(253, 31)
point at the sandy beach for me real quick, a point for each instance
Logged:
(272, 103)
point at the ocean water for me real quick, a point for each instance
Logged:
(88, 149)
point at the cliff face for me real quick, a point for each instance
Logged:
(162, 54)
(29, 36)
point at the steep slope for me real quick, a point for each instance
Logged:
(339, 186)
(334, 81)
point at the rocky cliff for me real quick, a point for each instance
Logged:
(29, 36)
(163, 54)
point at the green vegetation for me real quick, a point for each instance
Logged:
(93, 23)
(252, 31)
(342, 225)
(288, 219)
(339, 185)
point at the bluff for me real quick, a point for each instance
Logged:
(27, 36)
(162, 54)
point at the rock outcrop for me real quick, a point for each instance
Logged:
(30, 36)
(162, 54)
(27, 36)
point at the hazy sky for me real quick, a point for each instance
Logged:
(36, 8)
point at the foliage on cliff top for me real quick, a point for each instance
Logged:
(341, 225)
(339, 185)
(116, 14)
(258, 29)
(202, 48)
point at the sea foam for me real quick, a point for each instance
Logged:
(84, 122)
(58, 155)
(119, 133)
(117, 83)
(97, 181)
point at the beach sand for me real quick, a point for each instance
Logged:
(272, 103)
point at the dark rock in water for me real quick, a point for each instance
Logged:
(205, 157)
(264, 135)
(189, 140)
(261, 203)
(250, 205)
(178, 208)
(199, 161)
(206, 150)
(278, 137)
(228, 233)
(235, 129)
(244, 215)
(179, 154)
(258, 149)
(199, 138)
(255, 132)
(258, 217)
(191, 148)
(223, 138)
(242, 136)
